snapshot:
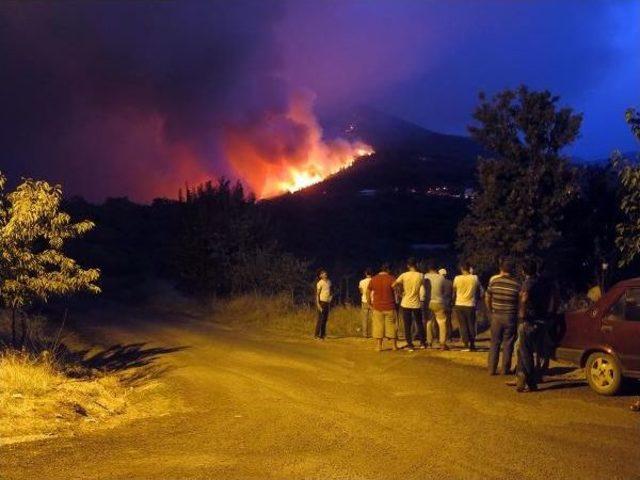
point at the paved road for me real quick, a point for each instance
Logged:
(282, 408)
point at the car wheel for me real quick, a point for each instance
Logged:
(603, 373)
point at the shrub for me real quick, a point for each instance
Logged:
(33, 265)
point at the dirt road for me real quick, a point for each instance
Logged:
(264, 406)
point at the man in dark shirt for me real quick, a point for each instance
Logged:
(502, 300)
(536, 308)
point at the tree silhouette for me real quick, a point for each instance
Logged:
(526, 182)
(628, 230)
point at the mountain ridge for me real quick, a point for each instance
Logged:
(407, 156)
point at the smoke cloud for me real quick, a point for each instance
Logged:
(129, 98)
(137, 98)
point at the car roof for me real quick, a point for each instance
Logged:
(631, 282)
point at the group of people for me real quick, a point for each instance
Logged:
(520, 308)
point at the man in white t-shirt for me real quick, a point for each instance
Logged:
(411, 281)
(466, 292)
(323, 301)
(366, 308)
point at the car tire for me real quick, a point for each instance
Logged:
(603, 373)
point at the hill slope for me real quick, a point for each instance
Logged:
(386, 206)
(408, 157)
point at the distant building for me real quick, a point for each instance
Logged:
(368, 192)
(469, 193)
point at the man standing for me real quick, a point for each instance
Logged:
(434, 286)
(424, 306)
(466, 290)
(447, 295)
(381, 297)
(411, 281)
(366, 306)
(323, 302)
(502, 299)
(537, 306)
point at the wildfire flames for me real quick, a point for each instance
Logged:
(285, 152)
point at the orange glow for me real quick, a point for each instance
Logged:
(285, 152)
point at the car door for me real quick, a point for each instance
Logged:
(621, 328)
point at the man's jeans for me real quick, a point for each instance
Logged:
(529, 338)
(366, 320)
(323, 316)
(466, 317)
(503, 334)
(409, 316)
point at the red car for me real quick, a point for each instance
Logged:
(604, 339)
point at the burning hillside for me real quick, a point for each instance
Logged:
(285, 152)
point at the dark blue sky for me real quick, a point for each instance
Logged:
(134, 98)
(426, 61)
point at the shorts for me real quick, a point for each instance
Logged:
(385, 324)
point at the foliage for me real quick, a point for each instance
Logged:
(225, 245)
(526, 184)
(33, 232)
(628, 230)
(588, 229)
(266, 270)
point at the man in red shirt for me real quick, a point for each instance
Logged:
(381, 297)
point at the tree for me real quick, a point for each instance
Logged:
(525, 183)
(628, 230)
(217, 221)
(33, 266)
(225, 245)
(266, 270)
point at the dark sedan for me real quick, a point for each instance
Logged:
(604, 339)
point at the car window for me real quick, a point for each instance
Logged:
(632, 305)
(617, 309)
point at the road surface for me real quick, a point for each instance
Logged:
(264, 406)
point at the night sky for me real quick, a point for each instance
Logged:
(135, 98)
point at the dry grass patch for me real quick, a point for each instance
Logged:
(37, 400)
(282, 314)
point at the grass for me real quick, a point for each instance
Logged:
(280, 313)
(43, 395)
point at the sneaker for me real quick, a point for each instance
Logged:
(635, 407)
(465, 349)
(444, 348)
(410, 348)
(423, 346)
